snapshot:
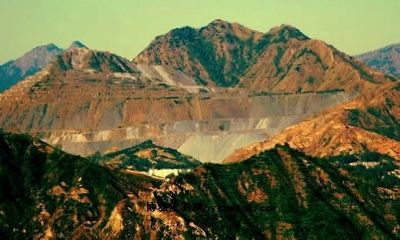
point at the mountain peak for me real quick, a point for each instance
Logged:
(219, 22)
(26, 65)
(283, 27)
(217, 26)
(77, 44)
(287, 31)
(226, 30)
(40, 52)
(48, 47)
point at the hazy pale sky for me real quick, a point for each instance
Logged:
(126, 27)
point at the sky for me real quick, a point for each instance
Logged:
(126, 27)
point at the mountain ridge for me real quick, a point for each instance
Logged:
(188, 42)
(279, 60)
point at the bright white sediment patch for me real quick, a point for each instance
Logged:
(215, 148)
(165, 172)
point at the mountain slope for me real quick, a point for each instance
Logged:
(386, 59)
(27, 65)
(281, 60)
(215, 55)
(87, 101)
(279, 194)
(310, 65)
(49, 194)
(370, 122)
(283, 194)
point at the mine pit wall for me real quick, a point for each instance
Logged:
(192, 126)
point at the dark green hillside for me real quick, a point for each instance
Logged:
(42, 187)
(290, 195)
(279, 194)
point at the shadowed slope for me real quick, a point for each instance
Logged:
(279, 193)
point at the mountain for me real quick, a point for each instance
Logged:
(368, 123)
(386, 59)
(280, 193)
(281, 60)
(88, 101)
(27, 65)
(215, 55)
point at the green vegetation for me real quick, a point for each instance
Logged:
(378, 120)
(30, 170)
(203, 50)
(280, 193)
(312, 197)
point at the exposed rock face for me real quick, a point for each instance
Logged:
(279, 194)
(281, 60)
(27, 65)
(371, 122)
(386, 59)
